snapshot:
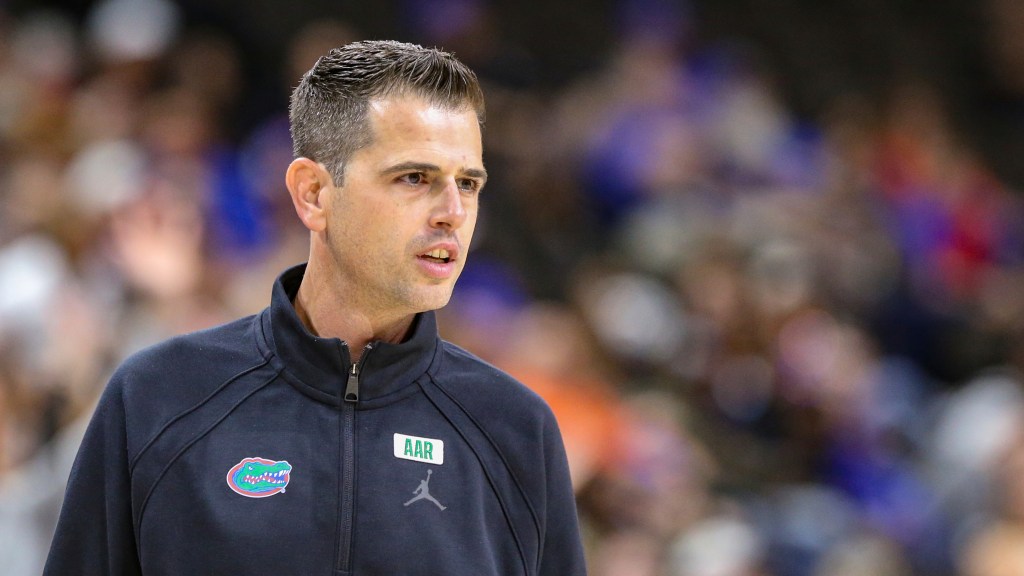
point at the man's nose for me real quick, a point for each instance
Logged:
(450, 210)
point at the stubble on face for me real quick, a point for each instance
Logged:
(383, 218)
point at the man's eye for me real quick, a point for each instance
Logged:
(469, 185)
(416, 178)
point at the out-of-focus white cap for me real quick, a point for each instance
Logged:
(636, 316)
(105, 175)
(132, 30)
(717, 547)
(32, 271)
(978, 423)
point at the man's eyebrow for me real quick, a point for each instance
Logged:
(476, 173)
(411, 167)
(425, 167)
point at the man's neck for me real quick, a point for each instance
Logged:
(341, 320)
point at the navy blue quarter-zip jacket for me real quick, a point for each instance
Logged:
(258, 448)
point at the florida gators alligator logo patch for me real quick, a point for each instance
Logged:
(259, 477)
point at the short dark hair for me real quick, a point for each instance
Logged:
(329, 107)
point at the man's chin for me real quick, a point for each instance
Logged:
(434, 298)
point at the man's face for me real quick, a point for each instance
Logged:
(400, 225)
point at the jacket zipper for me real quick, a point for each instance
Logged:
(348, 460)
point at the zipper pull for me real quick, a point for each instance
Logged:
(352, 388)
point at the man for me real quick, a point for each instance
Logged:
(288, 442)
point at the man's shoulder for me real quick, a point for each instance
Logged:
(203, 350)
(483, 387)
(162, 381)
(512, 418)
(184, 368)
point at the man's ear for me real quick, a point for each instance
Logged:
(307, 183)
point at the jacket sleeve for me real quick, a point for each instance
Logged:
(562, 547)
(95, 534)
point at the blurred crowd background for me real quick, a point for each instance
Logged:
(764, 259)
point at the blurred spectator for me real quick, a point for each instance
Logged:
(781, 339)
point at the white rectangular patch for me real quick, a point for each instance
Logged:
(427, 450)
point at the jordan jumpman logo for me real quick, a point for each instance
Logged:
(423, 492)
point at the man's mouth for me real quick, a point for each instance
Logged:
(437, 255)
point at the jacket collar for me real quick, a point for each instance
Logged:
(320, 366)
